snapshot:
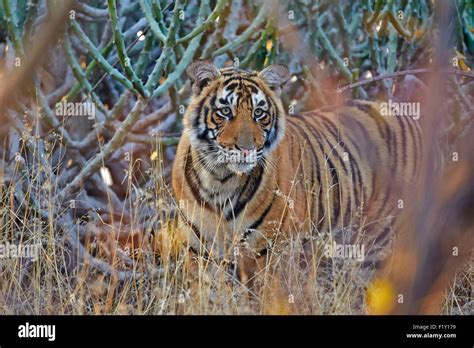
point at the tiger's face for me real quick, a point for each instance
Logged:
(235, 117)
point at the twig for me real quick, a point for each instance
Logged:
(148, 139)
(246, 34)
(13, 29)
(51, 119)
(212, 17)
(252, 52)
(161, 63)
(108, 149)
(187, 57)
(80, 75)
(154, 117)
(402, 73)
(104, 64)
(105, 52)
(100, 265)
(55, 96)
(120, 45)
(332, 52)
(92, 11)
(153, 25)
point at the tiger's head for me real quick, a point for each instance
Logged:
(235, 117)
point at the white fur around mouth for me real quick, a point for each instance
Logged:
(241, 168)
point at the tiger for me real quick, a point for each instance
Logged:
(248, 174)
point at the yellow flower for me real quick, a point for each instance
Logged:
(380, 297)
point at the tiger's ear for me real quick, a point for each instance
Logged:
(275, 75)
(201, 73)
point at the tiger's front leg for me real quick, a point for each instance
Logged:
(249, 264)
(252, 256)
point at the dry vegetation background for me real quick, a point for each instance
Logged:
(94, 193)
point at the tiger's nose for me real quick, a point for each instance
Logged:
(245, 149)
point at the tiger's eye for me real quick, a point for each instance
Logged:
(226, 111)
(258, 112)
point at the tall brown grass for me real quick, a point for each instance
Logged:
(127, 267)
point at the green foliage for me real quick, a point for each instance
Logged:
(340, 41)
(143, 48)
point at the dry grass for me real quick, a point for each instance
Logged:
(132, 277)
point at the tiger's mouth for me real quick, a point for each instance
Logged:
(239, 161)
